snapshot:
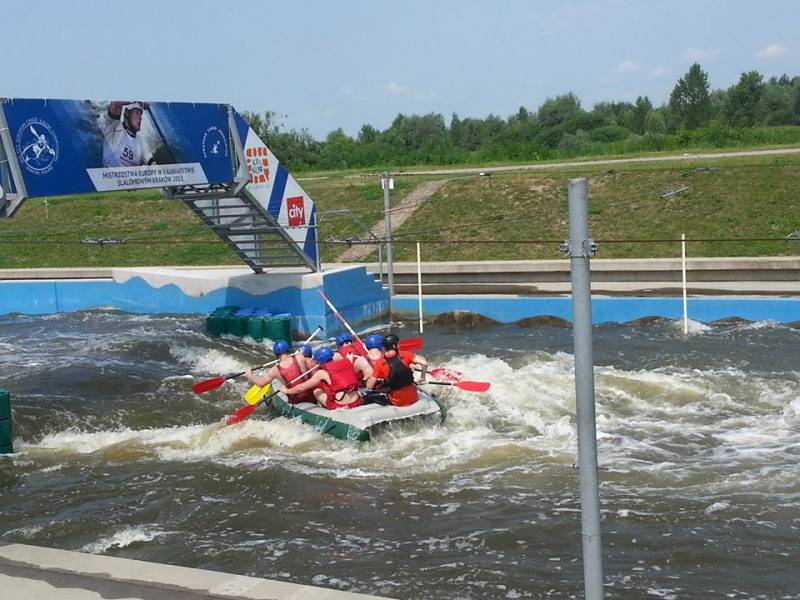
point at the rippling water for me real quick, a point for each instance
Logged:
(699, 450)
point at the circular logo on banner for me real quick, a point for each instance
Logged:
(37, 146)
(214, 143)
(257, 164)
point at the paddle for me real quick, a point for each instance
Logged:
(409, 344)
(447, 375)
(361, 349)
(256, 393)
(247, 410)
(215, 382)
(467, 386)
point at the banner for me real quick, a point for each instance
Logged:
(277, 191)
(82, 146)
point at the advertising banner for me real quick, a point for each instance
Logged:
(277, 191)
(82, 146)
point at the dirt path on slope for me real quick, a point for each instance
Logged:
(400, 214)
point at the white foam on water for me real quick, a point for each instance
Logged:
(207, 360)
(27, 532)
(692, 327)
(716, 507)
(124, 538)
(667, 427)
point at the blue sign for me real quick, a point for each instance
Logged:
(82, 146)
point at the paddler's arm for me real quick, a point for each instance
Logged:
(260, 381)
(420, 360)
(307, 385)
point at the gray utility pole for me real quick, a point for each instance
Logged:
(581, 248)
(388, 224)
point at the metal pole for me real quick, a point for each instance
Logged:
(316, 242)
(380, 261)
(419, 286)
(388, 223)
(683, 269)
(580, 249)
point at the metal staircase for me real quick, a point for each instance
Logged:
(245, 226)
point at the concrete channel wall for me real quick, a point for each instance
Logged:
(627, 277)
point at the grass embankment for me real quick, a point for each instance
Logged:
(726, 198)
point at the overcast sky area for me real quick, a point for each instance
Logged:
(329, 64)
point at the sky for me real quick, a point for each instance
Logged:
(322, 65)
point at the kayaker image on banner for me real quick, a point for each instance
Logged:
(81, 146)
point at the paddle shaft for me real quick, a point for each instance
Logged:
(340, 317)
(246, 411)
(211, 384)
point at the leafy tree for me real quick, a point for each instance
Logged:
(641, 109)
(742, 102)
(689, 101)
(368, 134)
(559, 110)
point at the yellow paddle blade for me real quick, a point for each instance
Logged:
(256, 393)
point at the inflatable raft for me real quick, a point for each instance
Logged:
(362, 422)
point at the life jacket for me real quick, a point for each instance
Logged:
(400, 375)
(349, 349)
(289, 375)
(343, 378)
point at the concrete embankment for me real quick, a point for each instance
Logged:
(772, 276)
(624, 277)
(37, 573)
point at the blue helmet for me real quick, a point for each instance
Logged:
(280, 347)
(343, 338)
(305, 349)
(373, 340)
(323, 355)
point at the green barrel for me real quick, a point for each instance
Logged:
(5, 404)
(236, 325)
(6, 446)
(215, 323)
(255, 328)
(278, 327)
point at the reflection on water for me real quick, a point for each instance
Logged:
(699, 441)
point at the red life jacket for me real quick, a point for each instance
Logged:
(289, 375)
(343, 379)
(349, 349)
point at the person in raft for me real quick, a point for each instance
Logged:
(304, 357)
(394, 368)
(374, 345)
(344, 341)
(335, 384)
(288, 369)
(357, 355)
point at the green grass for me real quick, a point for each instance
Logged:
(739, 198)
(50, 235)
(470, 218)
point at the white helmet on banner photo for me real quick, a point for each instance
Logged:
(132, 120)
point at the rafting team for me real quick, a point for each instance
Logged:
(333, 378)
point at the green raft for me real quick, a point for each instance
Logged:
(359, 423)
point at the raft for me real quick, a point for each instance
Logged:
(362, 422)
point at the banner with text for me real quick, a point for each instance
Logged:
(82, 146)
(277, 191)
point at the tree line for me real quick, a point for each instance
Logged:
(751, 112)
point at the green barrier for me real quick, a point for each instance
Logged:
(278, 327)
(236, 325)
(5, 405)
(215, 324)
(6, 446)
(255, 328)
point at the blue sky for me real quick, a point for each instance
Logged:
(329, 64)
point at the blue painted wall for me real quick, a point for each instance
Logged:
(605, 309)
(353, 291)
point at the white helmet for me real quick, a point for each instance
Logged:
(132, 106)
